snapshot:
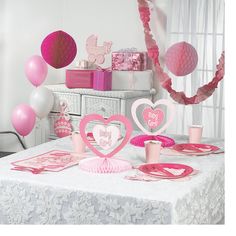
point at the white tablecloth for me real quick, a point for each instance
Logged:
(73, 196)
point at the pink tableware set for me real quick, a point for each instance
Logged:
(105, 140)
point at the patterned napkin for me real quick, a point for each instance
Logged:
(140, 176)
(51, 161)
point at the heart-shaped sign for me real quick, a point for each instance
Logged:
(150, 109)
(114, 134)
(106, 137)
(153, 117)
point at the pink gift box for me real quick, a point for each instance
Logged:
(129, 61)
(102, 80)
(79, 78)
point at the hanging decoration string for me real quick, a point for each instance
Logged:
(166, 82)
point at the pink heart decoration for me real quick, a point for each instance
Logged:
(95, 117)
(106, 137)
(144, 101)
(153, 117)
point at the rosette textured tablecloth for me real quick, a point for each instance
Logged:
(73, 196)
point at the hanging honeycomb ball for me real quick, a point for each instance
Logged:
(58, 49)
(181, 59)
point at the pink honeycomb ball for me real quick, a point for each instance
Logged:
(181, 59)
(58, 49)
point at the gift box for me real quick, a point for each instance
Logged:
(102, 80)
(132, 80)
(129, 60)
(79, 78)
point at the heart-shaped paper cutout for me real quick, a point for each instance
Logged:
(144, 101)
(106, 137)
(95, 117)
(153, 117)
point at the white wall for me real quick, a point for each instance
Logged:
(25, 23)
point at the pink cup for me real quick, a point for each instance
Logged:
(78, 143)
(195, 133)
(152, 149)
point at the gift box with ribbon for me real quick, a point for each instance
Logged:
(102, 80)
(81, 76)
(129, 60)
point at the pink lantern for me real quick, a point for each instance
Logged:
(181, 59)
(58, 49)
(23, 119)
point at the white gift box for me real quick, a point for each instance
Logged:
(132, 80)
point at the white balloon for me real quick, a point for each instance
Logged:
(41, 100)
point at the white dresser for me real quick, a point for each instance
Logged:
(86, 101)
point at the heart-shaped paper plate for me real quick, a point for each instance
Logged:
(153, 116)
(111, 132)
(166, 170)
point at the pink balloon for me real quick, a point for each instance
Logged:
(23, 119)
(36, 70)
(181, 59)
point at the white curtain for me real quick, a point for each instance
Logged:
(200, 23)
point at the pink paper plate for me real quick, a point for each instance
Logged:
(195, 148)
(140, 139)
(166, 170)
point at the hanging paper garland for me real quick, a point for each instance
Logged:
(166, 82)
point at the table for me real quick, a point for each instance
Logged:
(73, 196)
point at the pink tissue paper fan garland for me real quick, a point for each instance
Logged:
(166, 82)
